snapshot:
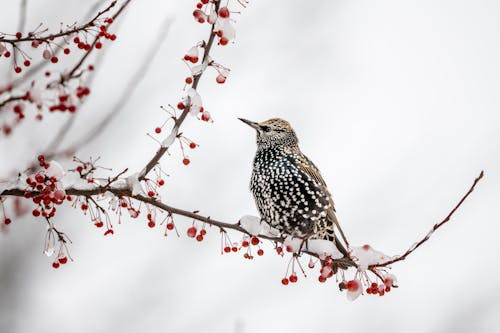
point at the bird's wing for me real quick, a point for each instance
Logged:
(308, 167)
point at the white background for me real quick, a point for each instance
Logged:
(395, 101)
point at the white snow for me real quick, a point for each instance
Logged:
(353, 294)
(293, 244)
(135, 185)
(55, 170)
(9, 185)
(195, 97)
(365, 256)
(323, 248)
(252, 224)
(69, 179)
(227, 28)
(170, 139)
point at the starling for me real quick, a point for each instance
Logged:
(288, 189)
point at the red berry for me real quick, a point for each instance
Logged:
(244, 243)
(293, 278)
(203, 232)
(220, 79)
(234, 249)
(17, 69)
(223, 41)
(186, 161)
(284, 281)
(112, 37)
(260, 252)
(170, 226)
(151, 224)
(19, 35)
(76, 40)
(27, 63)
(158, 130)
(199, 238)
(7, 221)
(63, 260)
(98, 45)
(66, 51)
(36, 212)
(199, 5)
(161, 182)
(352, 285)
(189, 80)
(99, 224)
(254, 240)
(54, 60)
(192, 145)
(55, 264)
(191, 232)
(321, 278)
(7, 54)
(224, 12)
(151, 194)
(227, 249)
(109, 232)
(180, 106)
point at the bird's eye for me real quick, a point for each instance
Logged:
(266, 128)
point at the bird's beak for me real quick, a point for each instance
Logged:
(252, 124)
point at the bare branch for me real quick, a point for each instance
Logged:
(434, 228)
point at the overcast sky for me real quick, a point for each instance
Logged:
(396, 102)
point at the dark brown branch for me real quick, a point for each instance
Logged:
(434, 228)
(126, 192)
(178, 122)
(32, 37)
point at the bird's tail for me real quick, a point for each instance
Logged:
(341, 247)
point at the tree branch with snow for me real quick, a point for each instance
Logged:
(133, 194)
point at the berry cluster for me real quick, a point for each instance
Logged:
(86, 37)
(192, 232)
(44, 191)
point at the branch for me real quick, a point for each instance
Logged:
(77, 66)
(178, 122)
(434, 228)
(33, 36)
(132, 85)
(34, 69)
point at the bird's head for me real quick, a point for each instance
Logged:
(274, 132)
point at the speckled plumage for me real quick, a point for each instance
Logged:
(288, 189)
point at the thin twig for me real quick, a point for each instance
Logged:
(132, 85)
(42, 64)
(434, 228)
(83, 27)
(178, 122)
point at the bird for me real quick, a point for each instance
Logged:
(289, 191)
